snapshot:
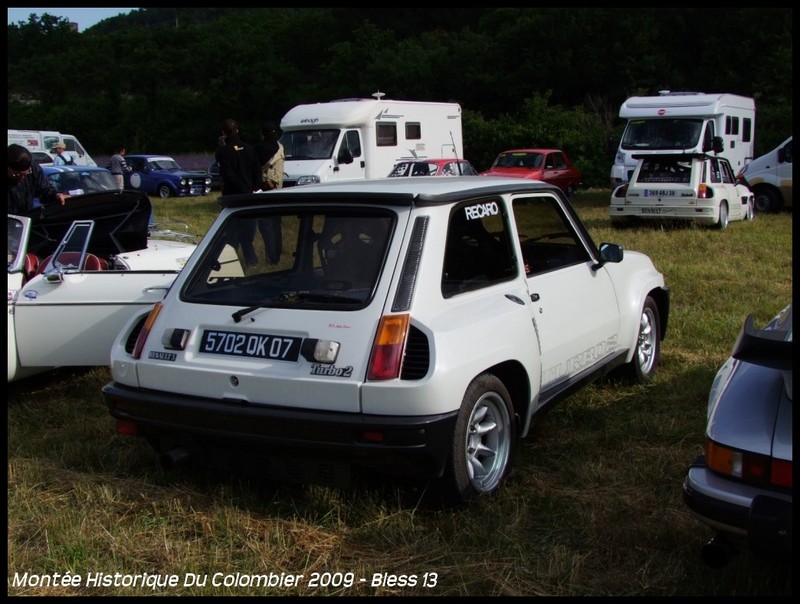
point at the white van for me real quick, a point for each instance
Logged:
(45, 140)
(770, 178)
(364, 138)
(685, 122)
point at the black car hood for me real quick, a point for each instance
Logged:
(121, 222)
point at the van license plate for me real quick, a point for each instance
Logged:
(257, 346)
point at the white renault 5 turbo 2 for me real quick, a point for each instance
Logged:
(689, 186)
(409, 326)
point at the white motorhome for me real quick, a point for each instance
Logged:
(45, 141)
(364, 138)
(685, 122)
(770, 178)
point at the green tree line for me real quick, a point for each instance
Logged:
(161, 80)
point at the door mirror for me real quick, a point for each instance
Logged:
(345, 156)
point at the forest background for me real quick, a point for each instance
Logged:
(161, 80)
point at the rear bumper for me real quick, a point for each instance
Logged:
(702, 214)
(761, 518)
(312, 446)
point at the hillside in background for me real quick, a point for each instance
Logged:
(163, 79)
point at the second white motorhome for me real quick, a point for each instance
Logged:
(685, 122)
(45, 141)
(364, 138)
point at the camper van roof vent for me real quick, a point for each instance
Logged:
(676, 93)
(379, 95)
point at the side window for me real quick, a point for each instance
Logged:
(727, 172)
(353, 141)
(413, 131)
(747, 129)
(548, 164)
(787, 152)
(478, 251)
(715, 171)
(386, 133)
(708, 137)
(559, 162)
(547, 239)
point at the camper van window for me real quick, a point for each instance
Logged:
(387, 134)
(747, 129)
(413, 131)
(731, 125)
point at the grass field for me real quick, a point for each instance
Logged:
(594, 506)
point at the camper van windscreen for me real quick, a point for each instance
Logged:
(662, 134)
(309, 144)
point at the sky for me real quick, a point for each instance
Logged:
(84, 17)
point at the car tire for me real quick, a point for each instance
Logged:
(483, 442)
(722, 222)
(164, 191)
(647, 353)
(766, 200)
(570, 192)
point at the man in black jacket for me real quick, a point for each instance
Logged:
(240, 173)
(27, 182)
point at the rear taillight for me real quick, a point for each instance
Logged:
(748, 467)
(127, 428)
(148, 325)
(387, 350)
(705, 192)
(781, 474)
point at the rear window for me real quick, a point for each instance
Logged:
(324, 258)
(664, 170)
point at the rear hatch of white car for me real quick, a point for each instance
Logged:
(295, 328)
(666, 178)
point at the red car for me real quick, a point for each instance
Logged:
(548, 165)
(434, 167)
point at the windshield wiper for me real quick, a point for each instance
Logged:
(291, 297)
(239, 314)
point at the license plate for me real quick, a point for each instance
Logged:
(659, 193)
(197, 189)
(257, 346)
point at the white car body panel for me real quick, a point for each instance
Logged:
(70, 317)
(84, 312)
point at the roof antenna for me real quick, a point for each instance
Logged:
(378, 95)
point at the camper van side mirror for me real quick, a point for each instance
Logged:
(718, 146)
(345, 156)
(785, 154)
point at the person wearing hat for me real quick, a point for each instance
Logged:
(27, 182)
(61, 158)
